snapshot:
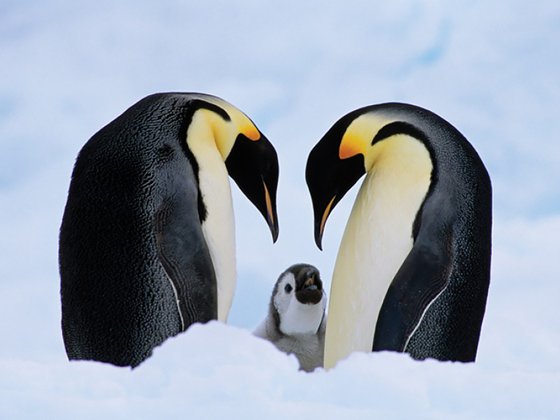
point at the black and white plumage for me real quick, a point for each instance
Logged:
(147, 243)
(413, 267)
(296, 319)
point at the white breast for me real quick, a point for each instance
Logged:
(219, 232)
(219, 226)
(377, 239)
(302, 318)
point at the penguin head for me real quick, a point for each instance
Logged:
(352, 147)
(250, 158)
(298, 300)
(253, 165)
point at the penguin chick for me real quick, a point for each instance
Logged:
(296, 320)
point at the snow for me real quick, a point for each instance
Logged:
(217, 371)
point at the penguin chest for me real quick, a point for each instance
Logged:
(308, 348)
(218, 227)
(376, 241)
(302, 331)
(300, 318)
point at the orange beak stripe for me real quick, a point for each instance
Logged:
(268, 202)
(325, 216)
(351, 145)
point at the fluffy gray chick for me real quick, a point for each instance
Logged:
(296, 319)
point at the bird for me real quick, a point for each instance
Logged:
(413, 267)
(147, 239)
(296, 319)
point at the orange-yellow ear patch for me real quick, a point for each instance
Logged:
(351, 145)
(249, 130)
(359, 134)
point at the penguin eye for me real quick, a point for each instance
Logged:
(288, 288)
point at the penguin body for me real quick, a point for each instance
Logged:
(413, 268)
(146, 248)
(296, 321)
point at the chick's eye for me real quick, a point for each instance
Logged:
(288, 288)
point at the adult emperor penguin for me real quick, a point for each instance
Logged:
(147, 244)
(296, 319)
(413, 267)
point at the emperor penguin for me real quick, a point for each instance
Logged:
(147, 243)
(413, 267)
(296, 319)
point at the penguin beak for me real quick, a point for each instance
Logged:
(271, 215)
(320, 223)
(309, 288)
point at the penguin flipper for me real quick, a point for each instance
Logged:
(184, 255)
(419, 281)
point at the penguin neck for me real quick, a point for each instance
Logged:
(300, 318)
(377, 239)
(218, 227)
